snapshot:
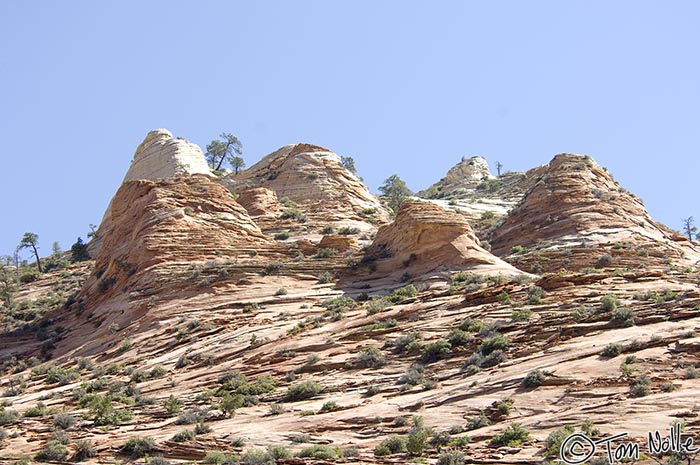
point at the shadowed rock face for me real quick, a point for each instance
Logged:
(315, 179)
(425, 237)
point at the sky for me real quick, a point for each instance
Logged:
(405, 87)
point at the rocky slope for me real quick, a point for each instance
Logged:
(203, 334)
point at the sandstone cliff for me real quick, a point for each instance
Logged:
(159, 156)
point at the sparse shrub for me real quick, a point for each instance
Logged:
(522, 314)
(281, 291)
(202, 428)
(518, 249)
(304, 390)
(63, 420)
(329, 405)
(7, 416)
(534, 379)
(555, 439)
(237, 441)
(503, 298)
(172, 405)
(407, 343)
(348, 231)
(282, 236)
(319, 452)
(351, 451)
(691, 373)
(641, 386)
(372, 390)
(668, 387)
(279, 452)
(257, 457)
(382, 451)
(623, 316)
(185, 436)
(276, 409)
(395, 444)
(300, 438)
(220, 458)
(514, 435)
(458, 337)
(626, 369)
(451, 457)
(477, 422)
(435, 350)
(272, 268)
(158, 460)
(611, 350)
(403, 293)
(535, 295)
(496, 342)
(604, 260)
(370, 357)
(53, 451)
(325, 278)
(84, 449)
(504, 407)
(293, 213)
(125, 345)
(608, 302)
(326, 252)
(138, 447)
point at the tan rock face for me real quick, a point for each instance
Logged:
(425, 237)
(315, 179)
(576, 203)
(159, 156)
(259, 201)
(173, 221)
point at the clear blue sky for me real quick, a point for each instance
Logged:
(404, 87)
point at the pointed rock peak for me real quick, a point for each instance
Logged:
(161, 155)
(425, 237)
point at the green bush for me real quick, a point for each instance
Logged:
(293, 213)
(138, 447)
(282, 236)
(403, 293)
(319, 452)
(624, 317)
(382, 451)
(53, 451)
(304, 390)
(220, 458)
(503, 298)
(604, 260)
(326, 252)
(407, 342)
(257, 457)
(63, 420)
(608, 302)
(534, 379)
(417, 441)
(279, 452)
(513, 436)
(370, 357)
(172, 405)
(522, 314)
(395, 444)
(84, 449)
(518, 249)
(555, 439)
(611, 350)
(496, 342)
(459, 337)
(477, 422)
(185, 436)
(435, 350)
(329, 406)
(451, 457)
(641, 386)
(325, 278)
(535, 295)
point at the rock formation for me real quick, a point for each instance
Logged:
(315, 179)
(576, 203)
(159, 156)
(425, 238)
